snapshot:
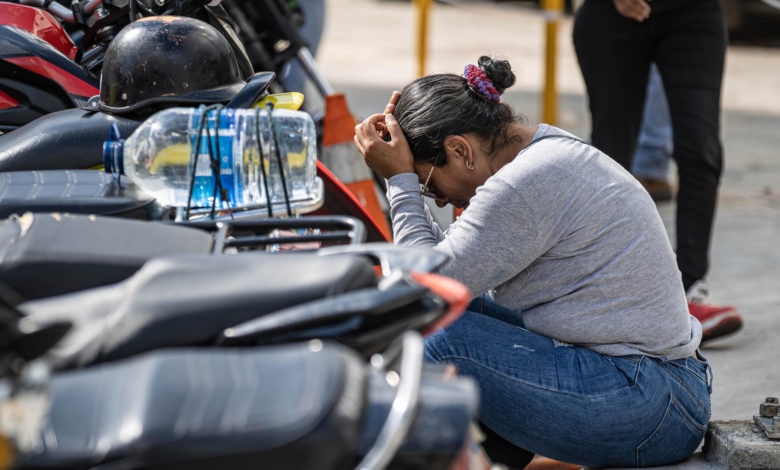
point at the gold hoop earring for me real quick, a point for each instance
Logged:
(470, 165)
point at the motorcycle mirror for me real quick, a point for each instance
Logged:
(251, 93)
(29, 343)
(9, 314)
(92, 103)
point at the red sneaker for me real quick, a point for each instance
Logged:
(715, 321)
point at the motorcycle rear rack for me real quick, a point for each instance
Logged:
(251, 234)
(407, 352)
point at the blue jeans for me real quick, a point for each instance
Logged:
(655, 146)
(571, 403)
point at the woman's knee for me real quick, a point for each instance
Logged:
(433, 345)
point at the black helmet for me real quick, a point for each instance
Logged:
(167, 59)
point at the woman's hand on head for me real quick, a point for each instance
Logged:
(637, 10)
(393, 101)
(380, 126)
(387, 158)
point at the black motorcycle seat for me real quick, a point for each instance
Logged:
(71, 138)
(190, 300)
(72, 191)
(43, 255)
(291, 407)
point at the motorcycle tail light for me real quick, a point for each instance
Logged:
(456, 295)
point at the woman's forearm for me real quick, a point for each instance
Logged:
(413, 224)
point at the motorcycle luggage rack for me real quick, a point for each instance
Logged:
(249, 234)
(407, 352)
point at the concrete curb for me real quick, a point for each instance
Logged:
(741, 445)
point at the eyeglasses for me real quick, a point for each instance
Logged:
(424, 187)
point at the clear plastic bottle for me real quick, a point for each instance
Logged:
(158, 158)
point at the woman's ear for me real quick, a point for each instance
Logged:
(457, 147)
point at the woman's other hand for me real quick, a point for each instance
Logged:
(380, 126)
(391, 104)
(387, 158)
(637, 10)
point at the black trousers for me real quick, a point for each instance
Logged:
(687, 41)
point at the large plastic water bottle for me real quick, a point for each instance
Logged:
(257, 156)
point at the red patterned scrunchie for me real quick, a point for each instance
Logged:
(480, 83)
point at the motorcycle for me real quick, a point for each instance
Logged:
(101, 193)
(302, 401)
(47, 67)
(79, 133)
(93, 271)
(250, 299)
(310, 405)
(365, 311)
(43, 255)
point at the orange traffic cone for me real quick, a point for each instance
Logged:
(342, 158)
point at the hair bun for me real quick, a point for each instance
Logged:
(498, 71)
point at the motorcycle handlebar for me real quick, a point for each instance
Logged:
(66, 14)
(91, 5)
(60, 11)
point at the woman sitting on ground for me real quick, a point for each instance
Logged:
(579, 334)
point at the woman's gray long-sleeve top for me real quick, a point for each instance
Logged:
(566, 236)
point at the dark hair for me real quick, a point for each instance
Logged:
(434, 107)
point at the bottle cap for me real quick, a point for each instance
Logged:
(113, 152)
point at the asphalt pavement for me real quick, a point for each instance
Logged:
(368, 50)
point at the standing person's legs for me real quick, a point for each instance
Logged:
(690, 58)
(651, 160)
(573, 404)
(614, 53)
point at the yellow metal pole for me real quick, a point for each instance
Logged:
(423, 7)
(552, 13)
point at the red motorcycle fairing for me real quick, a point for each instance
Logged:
(37, 79)
(7, 101)
(73, 85)
(40, 23)
(340, 200)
